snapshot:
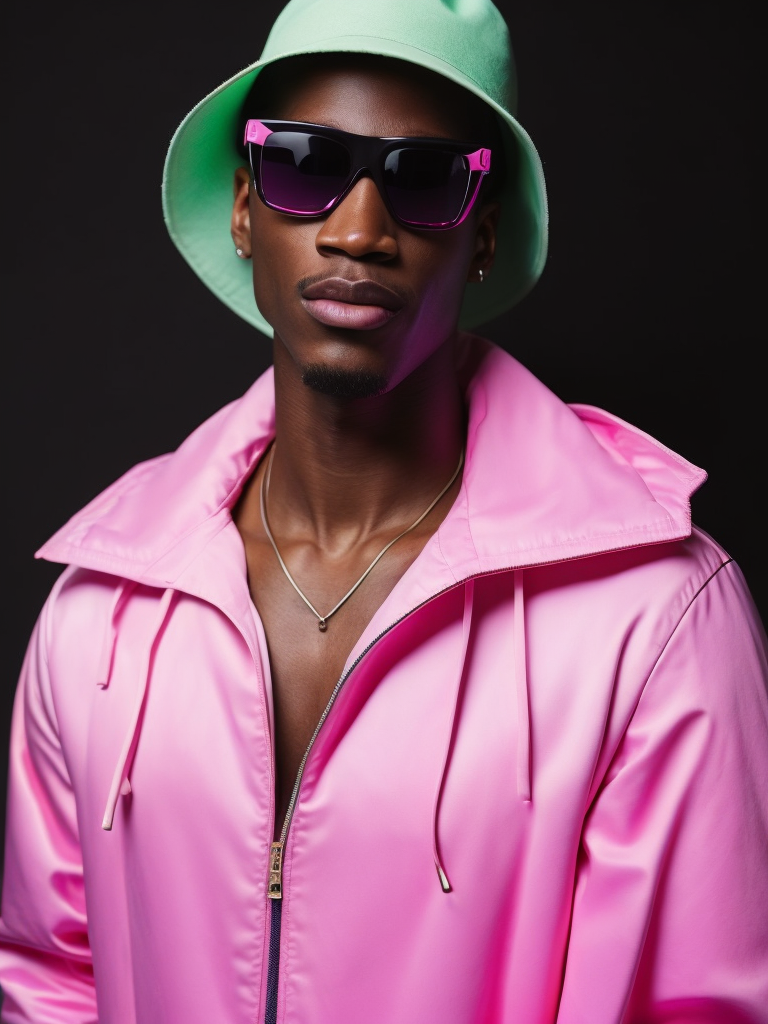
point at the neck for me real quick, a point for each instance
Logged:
(345, 469)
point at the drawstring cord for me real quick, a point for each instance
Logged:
(120, 781)
(122, 593)
(469, 593)
(520, 667)
(521, 686)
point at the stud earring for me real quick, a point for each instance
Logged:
(241, 254)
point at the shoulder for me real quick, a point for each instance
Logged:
(655, 582)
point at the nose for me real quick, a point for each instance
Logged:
(361, 226)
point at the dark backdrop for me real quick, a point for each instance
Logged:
(646, 119)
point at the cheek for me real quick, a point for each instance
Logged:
(278, 256)
(441, 264)
(437, 266)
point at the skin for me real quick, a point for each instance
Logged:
(349, 474)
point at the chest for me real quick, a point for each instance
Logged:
(306, 663)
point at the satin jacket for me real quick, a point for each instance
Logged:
(539, 793)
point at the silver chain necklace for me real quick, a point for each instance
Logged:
(322, 620)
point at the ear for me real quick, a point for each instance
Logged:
(485, 241)
(241, 215)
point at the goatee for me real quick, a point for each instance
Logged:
(336, 383)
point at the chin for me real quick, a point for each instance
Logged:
(337, 382)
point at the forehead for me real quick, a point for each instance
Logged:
(373, 96)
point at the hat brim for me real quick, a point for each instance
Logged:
(202, 159)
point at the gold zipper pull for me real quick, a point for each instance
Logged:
(275, 886)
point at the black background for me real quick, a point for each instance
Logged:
(647, 121)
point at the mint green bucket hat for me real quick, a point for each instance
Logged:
(466, 41)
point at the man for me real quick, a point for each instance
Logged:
(401, 691)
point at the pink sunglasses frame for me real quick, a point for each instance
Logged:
(479, 161)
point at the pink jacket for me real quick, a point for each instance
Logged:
(540, 795)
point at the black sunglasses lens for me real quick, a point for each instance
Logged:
(426, 186)
(301, 172)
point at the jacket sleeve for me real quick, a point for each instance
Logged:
(46, 972)
(670, 915)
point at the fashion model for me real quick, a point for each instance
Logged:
(401, 692)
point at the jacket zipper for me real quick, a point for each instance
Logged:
(277, 849)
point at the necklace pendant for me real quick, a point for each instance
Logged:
(322, 623)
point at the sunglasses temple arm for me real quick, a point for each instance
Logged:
(257, 132)
(480, 161)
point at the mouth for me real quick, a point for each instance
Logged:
(354, 305)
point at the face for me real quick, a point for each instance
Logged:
(409, 283)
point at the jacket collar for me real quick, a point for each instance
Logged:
(543, 482)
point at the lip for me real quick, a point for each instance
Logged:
(355, 305)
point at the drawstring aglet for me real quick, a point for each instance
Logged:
(445, 885)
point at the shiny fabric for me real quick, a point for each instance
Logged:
(541, 795)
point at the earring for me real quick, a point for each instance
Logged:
(241, 254)
(480, 274)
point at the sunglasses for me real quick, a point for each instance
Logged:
(306, 170)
